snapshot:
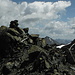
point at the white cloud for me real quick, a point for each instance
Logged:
(27, 11)
(40, 17)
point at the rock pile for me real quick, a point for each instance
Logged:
(22, 53)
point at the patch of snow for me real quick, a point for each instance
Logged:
(60, 46)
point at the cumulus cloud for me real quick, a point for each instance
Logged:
(33, 12)
(40, 17)
(60, 29)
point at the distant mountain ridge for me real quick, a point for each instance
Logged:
(63, 41)
(51, 41)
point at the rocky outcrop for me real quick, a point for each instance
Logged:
(22, 53)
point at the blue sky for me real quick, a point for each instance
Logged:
(53, 18)
(71, 9)
(33, 0)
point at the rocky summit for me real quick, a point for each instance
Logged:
(22, 53)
